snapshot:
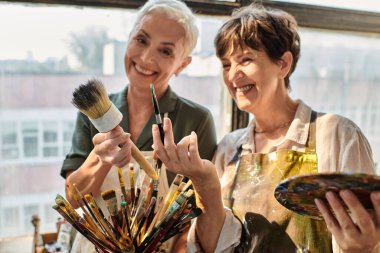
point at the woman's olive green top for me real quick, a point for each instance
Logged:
(186, 116)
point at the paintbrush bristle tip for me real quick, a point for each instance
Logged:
(109, 194)
(152, 88)
(91, 99)
(178, 179)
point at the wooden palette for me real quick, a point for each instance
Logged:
(298, 193)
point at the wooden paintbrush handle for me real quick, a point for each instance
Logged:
(145, 165)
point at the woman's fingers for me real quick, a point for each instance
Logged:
(359, 214)
(354, 229)
(169, 144)
(158, 145)
(125, 152)
(176, 157)
(331, 222)
(183, 149)
(165, 151)
(113, 147)
(193, 147)
(341, 214)
(169, 138)
(113, 134)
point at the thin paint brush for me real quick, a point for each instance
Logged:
(126, 217)
(100, 217)
(86, 233)
(170, 220)
(122, 183)
(80, 202)
(61, 201)
(176, 193)
(72, 215)
(132, 182)
(147, 213)
(154, 196)
(93, 101)
(157, 113)
(153, 187)
(134, 207)
(94, 217)
(138, 191)
(81, 226)
(187, 185)
(171, 210)
(100, 211)
(139, 212)
(165, 224)
(125, 196)
(186, 218)
(173, 188)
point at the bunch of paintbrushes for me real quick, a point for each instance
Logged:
(128, 227)
(138, 223)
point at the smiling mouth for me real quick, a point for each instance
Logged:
(244, 88)
(143, 71)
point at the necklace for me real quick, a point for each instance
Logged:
(272, 130)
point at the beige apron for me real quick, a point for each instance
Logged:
(268, 227)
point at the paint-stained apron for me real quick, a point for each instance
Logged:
(248, 185)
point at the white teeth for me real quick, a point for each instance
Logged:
(143, 71)
(244, 88)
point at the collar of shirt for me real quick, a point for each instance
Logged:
(298, 130)
(167, 102)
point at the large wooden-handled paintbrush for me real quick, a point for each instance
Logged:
(93, 101)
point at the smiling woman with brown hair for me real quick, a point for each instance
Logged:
(259, 49)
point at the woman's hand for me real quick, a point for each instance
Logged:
(113, 147)
(356, 230)
(183, 158)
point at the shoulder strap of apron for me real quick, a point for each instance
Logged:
(311, 139)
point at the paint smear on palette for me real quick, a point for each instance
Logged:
(298, 193)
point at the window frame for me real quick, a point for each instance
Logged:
(305, 14)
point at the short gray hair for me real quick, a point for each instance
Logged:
(178, 11)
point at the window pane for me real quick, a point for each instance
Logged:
(50, 132)
(339, 72)
(11, 217)
(30, 138)
(67, 132)
(9, 133)
(50, 152)
(9, 148)
(50, 139)
(51, 216)
(68, 128)
(29, 211)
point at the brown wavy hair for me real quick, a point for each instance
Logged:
(263, 29)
